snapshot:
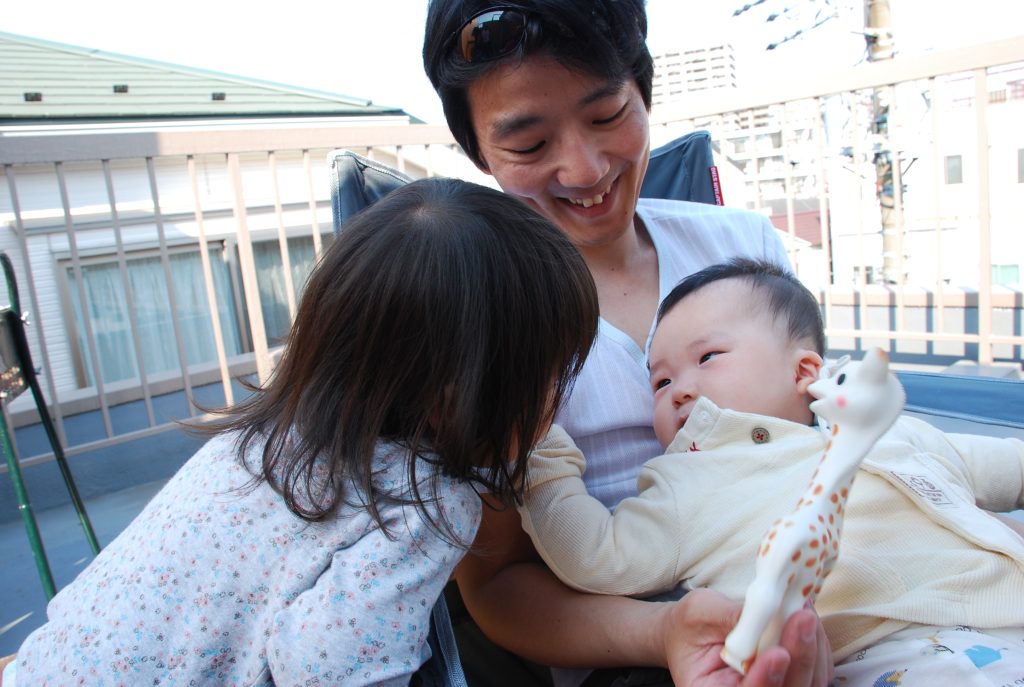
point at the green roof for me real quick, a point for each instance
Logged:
(43, 81)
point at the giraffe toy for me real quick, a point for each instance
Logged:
(859, 401)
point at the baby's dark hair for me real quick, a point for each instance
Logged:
(449, 318)
(778, 289)
(603, 38)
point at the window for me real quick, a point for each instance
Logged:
(110, 320)
(270, 278)
(1020, 165)
(1007, 275)
(869, 273)
(954, 169)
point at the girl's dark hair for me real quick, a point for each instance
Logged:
(778, 288)
(604, 38)
(449, 318)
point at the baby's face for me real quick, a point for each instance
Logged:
(717, 343)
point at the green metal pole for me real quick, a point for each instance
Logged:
(17, 328)
(34, 540)
(65, 469)
(21, 344)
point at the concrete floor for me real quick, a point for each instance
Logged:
(22, 600)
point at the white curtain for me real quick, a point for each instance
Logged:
(108, 312)
(270, 277)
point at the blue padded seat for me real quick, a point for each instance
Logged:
(983, 405)
(357, 181)
(684, 169)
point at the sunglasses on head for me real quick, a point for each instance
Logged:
(491, 33)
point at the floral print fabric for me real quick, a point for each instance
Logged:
(216, 582)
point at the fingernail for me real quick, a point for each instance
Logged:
(808, 631)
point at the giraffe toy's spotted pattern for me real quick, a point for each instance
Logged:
(860, 401)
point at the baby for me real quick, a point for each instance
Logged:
(928, 587)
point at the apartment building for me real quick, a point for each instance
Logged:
(693, 70)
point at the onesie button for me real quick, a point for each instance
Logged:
(760, 435)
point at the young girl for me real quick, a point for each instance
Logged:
(307, 542)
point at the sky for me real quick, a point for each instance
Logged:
(370, 49)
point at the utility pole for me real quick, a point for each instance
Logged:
(888, 179)
(881, 46)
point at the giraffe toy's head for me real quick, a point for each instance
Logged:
(859, 395)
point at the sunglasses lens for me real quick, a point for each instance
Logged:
(492, 34)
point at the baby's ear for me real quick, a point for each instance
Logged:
(808, 367)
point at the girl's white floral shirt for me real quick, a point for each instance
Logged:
(217, 582)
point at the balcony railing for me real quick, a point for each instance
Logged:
(159, 264)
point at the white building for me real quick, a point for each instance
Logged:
(691, 71)
(87, 235)
(943, 171)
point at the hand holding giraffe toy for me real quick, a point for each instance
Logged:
(860, 401)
